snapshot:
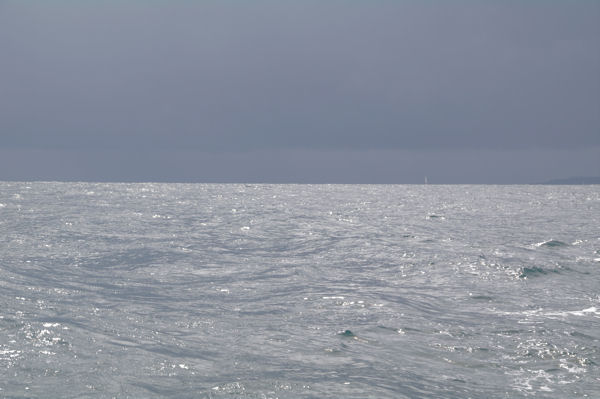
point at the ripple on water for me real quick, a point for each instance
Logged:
(164, 291)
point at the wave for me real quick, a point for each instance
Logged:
(552, 244)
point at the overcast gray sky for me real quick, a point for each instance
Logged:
(300, 90)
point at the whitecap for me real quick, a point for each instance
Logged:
(584, 312)
(571, 368)
(551, 244)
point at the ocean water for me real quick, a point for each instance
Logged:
(299, 291)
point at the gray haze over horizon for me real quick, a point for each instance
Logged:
(300, 91)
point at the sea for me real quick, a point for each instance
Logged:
(149, 290)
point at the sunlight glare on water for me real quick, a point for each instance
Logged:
(299, 291)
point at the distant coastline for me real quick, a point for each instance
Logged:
(574, 180)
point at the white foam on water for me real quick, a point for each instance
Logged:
(585, 312)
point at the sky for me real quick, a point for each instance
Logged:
(300, 91)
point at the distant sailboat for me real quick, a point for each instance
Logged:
(426, 180)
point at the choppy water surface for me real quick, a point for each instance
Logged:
(299, 291)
